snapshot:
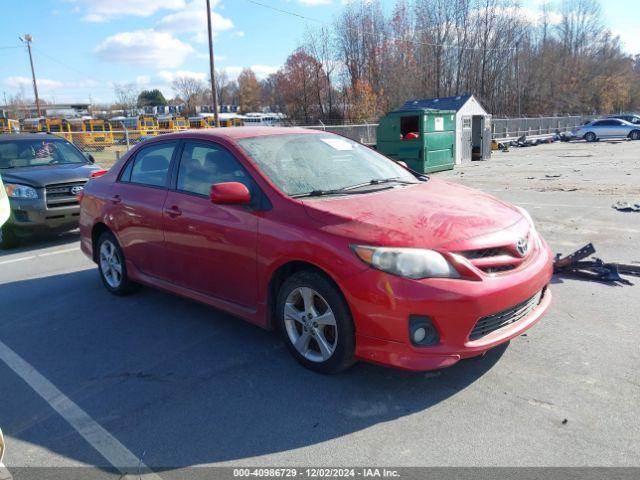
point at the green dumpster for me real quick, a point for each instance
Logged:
(423, 138)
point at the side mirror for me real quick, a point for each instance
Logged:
(229, 193)
(90, 158)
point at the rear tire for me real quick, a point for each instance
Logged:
(634, 135)
(112, 266)
(8, 239)
(590, 137)
(315, 323)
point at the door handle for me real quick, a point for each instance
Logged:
(116, 199)
(173, 211)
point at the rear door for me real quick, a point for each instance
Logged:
(211, 248)
(619, 128)
(137, 201)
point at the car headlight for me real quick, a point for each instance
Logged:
(412, 263)
(15, 190)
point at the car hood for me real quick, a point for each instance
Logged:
(434, 214)
(48, 174)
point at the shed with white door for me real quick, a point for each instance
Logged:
(473, 125)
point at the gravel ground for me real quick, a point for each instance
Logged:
(179, 384)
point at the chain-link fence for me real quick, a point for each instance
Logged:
(363, 133)
(108, 145)
(512, 128)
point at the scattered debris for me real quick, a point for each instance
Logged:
(626, 206)
(565, 421)
(575, 265)
(557, 175)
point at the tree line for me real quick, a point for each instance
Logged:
(556, 60)
(559, 59)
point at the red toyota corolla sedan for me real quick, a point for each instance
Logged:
(348, 254)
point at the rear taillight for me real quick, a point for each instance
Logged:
(98, 173)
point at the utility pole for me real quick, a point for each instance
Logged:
(214, 93)
(518, 78)
(28, 39)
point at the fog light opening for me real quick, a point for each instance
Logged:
(419, 334)
(422, 332)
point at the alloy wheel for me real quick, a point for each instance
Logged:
(110, 264)
(310, 324)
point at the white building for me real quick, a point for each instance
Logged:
(473, 125)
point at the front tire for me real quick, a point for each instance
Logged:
(315, 323)
(8, 239)
(112, 265)
(590, 137)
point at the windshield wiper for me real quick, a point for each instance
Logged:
(349, 190)
(378, 181)
(322, 193)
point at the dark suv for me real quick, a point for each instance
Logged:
(42, 175)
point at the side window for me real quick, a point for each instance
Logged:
(150, 165)
(202, 165)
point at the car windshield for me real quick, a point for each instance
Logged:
(304, 163)
(34, 153)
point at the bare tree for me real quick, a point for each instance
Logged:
(190, 90)
(126, 97)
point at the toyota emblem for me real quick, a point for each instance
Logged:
(76, 189)
(522, 246)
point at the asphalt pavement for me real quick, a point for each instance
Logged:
(90, 379)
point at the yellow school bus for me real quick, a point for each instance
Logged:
(133, 127)
(8, 125)
(197, 122)
(60, 127)
(91, 133)
(34, 125)
(173, 123)
(230, 120)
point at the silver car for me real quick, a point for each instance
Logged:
(608, 128)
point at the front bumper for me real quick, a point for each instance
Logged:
(30, 216)
(381, 305)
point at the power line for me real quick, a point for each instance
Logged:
(395, 39)
(59, 62)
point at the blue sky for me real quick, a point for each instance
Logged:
(81, 47)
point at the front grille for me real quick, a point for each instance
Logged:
(494, 259)
(60, 195)
(491, 323)
(484, 253)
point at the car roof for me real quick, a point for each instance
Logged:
(237, 133)
(28, 136)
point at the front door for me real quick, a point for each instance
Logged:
(211, 248)
(136, 207)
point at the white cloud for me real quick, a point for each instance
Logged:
(145, 48)
(24, 82)
(261, 71)
(143, 80)
(313, 3)
(193, 19)
(46, 84)
(169, 76)
(104, 10)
